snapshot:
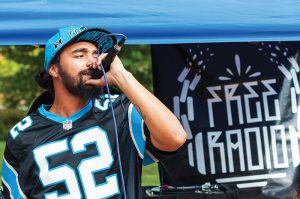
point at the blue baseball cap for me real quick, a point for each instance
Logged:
(73, 34)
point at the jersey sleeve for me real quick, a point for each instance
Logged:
(141, 139)
(11, 162)
(10, 175)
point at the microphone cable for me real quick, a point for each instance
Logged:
(162, 167)
(104, 69)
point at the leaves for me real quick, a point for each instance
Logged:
(18, 66)
(137, 59)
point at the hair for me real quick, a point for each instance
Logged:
(44, 80)
(42, 77)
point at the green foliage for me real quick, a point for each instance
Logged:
(150, 176)
(8, 67)
(9, 117)
(137, 59)
(18, 65)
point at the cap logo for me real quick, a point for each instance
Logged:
(57, 44)
(74, 32)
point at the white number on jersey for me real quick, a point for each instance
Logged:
(86, 168)
(21, 126)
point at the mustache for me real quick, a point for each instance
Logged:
(94, 73)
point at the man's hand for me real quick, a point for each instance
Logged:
(116, 68)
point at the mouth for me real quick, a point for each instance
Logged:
(92, 74)
(87, 76)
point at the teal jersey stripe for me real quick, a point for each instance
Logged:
(10, 178)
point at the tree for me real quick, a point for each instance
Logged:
(17, 86)
(137, 59)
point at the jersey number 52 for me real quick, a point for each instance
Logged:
(86, 168)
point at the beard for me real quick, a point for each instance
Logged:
(79, 88)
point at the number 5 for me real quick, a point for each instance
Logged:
(86, 168)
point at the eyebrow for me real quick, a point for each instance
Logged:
(83, 50)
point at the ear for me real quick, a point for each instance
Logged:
(53, 70)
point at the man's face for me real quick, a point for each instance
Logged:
(76, 67)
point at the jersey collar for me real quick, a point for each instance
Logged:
(52, 116)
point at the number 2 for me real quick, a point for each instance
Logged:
(86, 168)
(21, 126)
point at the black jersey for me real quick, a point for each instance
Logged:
(48, 156)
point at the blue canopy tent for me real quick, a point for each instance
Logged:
(32, 22)
(153, 22)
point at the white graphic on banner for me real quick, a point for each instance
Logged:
(269, 143)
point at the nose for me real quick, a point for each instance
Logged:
(91, 61)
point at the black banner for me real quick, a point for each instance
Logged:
(240, 105)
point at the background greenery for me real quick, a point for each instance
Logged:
(18, 65)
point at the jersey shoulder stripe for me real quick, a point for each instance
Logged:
(136, 129)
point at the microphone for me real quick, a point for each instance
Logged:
(108, 59)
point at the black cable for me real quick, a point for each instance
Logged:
(161, 180)
(170, 177)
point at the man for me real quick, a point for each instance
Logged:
(68, 149)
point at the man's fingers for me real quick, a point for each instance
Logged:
(101, 57)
